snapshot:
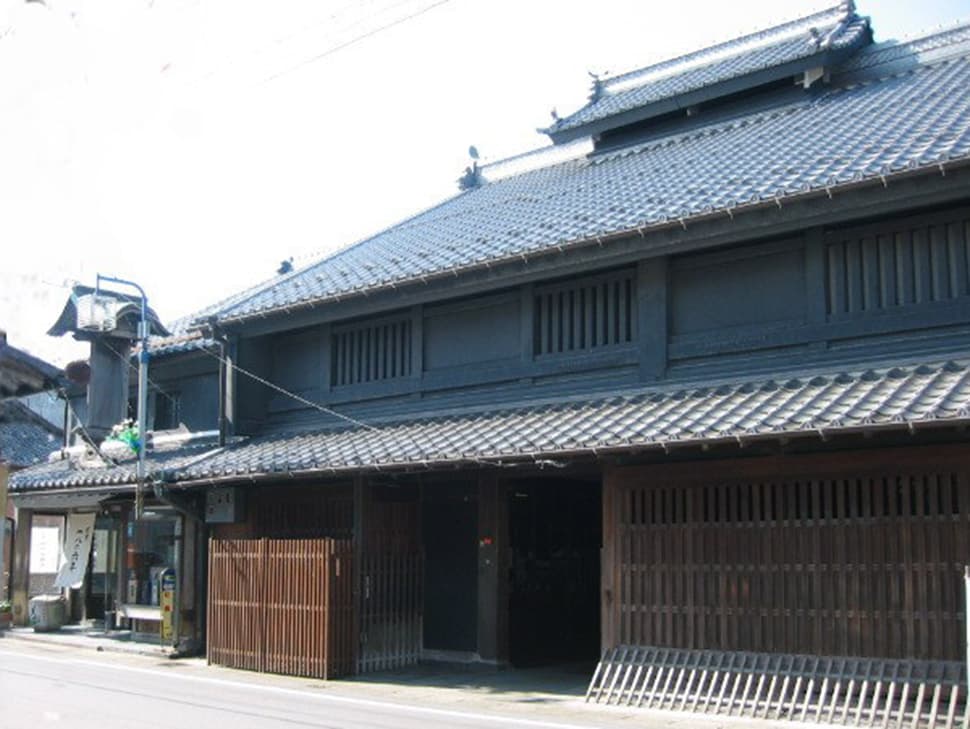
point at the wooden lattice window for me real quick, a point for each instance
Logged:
(371, 352)
(876, 269)
(586, 314)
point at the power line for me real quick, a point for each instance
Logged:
(317, 406)
(357, 39)
(158, 389)
(108, 460)
(293, 395)
(227, 61)
(340, 29)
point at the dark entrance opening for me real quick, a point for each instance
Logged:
(555, 535)
(450, 526)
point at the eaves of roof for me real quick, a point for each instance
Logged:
(734, 213)
(806, 404)
(22, 373)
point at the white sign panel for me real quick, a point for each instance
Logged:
(45, 550)
(100, 551)
(77, 549)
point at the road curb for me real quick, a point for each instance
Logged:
(88, 644)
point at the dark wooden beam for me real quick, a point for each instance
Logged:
(652, 318)
(20, 576)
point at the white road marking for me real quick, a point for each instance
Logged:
(305, 694)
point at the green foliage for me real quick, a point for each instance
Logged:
(126, 432)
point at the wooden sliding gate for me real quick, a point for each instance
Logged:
(282, 606)
(859, 561)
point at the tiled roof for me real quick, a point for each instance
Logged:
(100, 472)
(21, 373)
(810, 39)
(25, 437)
(181, 338)
(808, 404)
(870, 125)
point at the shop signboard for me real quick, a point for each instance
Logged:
(166, 600)
(45, 550)
(77, 550)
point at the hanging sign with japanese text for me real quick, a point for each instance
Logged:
(77, 549)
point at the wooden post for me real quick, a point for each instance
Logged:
(358, 565)
(651, 313)
(609, 597)
(417, 342)
(966, 614)
(816, 308)
(492, 574)
(20, 579)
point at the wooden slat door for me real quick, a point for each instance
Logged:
(848, 562)
(282, 606)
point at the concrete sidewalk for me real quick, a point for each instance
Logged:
(89, 638)
(553, 695)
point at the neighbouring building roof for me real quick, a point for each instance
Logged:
(891, 109)
(22, 373)
(810, 404)
(26, 438)
(817, 40)
(116, 471)
(180, 339)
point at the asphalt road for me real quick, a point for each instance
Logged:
(41, 687)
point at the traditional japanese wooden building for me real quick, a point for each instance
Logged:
(686, 392)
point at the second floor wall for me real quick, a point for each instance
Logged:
(891, 287)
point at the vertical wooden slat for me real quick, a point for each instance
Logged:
(278, 606)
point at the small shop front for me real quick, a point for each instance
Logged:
(151, 562)
(110, 571)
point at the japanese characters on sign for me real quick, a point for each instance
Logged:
(76, 550)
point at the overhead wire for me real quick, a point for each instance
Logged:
(323, 408)
(356, 39)
(88, 438)
(151, 383)
(329, 19)
(223, 65)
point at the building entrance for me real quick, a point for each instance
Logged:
(555, 535)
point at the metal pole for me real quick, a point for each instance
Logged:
(143, 358)
(142, 416)
(4, 592)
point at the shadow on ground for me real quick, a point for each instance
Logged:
(546, 684)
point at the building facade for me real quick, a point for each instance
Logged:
(694, 378)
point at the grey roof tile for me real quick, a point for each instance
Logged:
(25, 437)
(793, 41)
(101, 472)
(885, 397)
(877, 121)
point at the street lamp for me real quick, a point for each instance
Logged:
(142, 386)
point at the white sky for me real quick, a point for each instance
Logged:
(191, 145)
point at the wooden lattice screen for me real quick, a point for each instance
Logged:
(282, 606)
(392, 604)
(862, 565)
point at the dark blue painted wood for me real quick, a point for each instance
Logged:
(477, 332)
(830, 298)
